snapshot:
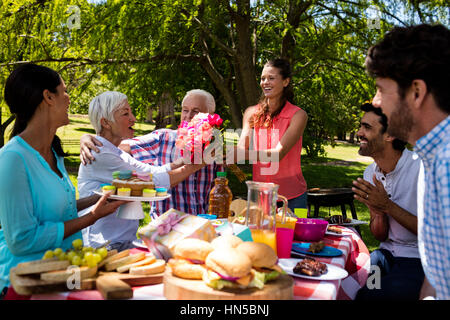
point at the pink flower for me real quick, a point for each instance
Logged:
(180, 143)
(206, 136)
(182, 131)
(183, 124)
(205, 126)
(215, 120)
(193, 137)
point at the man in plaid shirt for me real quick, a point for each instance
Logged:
(411, 66)
(158, 148)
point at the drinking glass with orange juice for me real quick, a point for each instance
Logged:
(265, 236)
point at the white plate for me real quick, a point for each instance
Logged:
(333, 272)
(331, 233)
(130, 198)
(139, 244)
(354, 222)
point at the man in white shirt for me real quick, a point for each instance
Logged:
(389, 189)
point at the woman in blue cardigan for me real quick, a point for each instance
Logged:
(38, 208)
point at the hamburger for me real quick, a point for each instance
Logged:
(231, 269)
(189, 258)
(263, 257)
(226, 241)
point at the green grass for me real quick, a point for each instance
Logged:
(339, 168)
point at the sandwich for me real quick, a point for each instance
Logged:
(264, 259)
(189, 258)
(230, 268)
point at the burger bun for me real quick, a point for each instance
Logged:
(260, 254)
(228, 241)
(194, 249)
(229, 262)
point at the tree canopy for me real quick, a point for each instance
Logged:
(151, 50)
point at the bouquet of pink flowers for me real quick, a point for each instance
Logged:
(195, 136)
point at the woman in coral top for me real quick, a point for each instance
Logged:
(272, 135)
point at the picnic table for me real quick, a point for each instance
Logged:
(355, 259)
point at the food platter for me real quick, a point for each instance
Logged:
(113, 276)
(183, 289)
(325, 252)
(333, 272)
(131, 198)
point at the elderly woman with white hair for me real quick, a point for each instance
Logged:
(159, 148)
(112, 118)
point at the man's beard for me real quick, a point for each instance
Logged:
(372, 147)
(401, 121)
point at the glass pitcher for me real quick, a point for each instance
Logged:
(261, 213)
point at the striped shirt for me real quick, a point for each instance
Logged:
(434, 207)
(190, 196)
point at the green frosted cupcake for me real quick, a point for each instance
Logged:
(149, 193)
(109, 189)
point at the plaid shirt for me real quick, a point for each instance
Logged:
(434, 211)
(191, 195)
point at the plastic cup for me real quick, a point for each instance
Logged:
(301, 212)
(285, 236)
(288, 223)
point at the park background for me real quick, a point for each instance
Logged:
(155, 51)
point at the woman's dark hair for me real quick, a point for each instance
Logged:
(262, 118)
(415, 52)
(24, 91)
(368, 107)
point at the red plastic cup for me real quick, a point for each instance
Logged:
(285, 236)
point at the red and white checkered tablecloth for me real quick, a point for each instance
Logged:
(355, 259)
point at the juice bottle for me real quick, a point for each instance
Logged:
(220, 197)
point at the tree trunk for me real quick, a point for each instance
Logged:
(246, 91)
(166, 115)
(352, 137)
(225, 90)
(149, 116)
(296, 9)
(249, 90)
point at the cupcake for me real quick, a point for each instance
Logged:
(109, 189)
(149, 193)
(126, 174)
(161, 192)
(145, 176)
(124, 192)
(115, 174)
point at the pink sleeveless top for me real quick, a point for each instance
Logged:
(288, 172)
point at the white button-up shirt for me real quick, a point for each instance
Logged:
(401, 187)
(91, 176)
